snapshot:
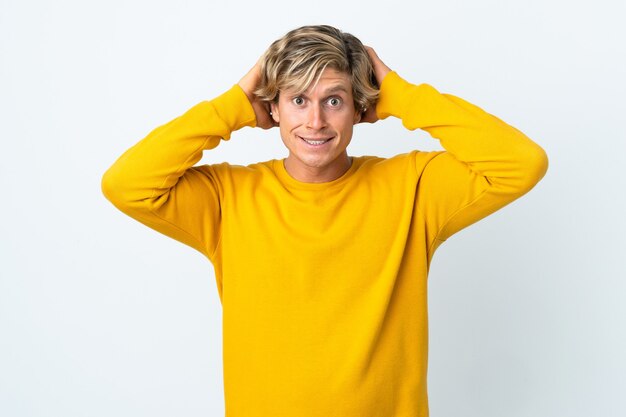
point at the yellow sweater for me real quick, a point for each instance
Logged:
(323, 286)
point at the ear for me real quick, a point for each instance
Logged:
(357, 116)
(274, 112)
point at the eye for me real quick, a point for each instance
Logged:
(298, 101)
(334, 101)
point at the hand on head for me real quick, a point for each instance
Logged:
(251, 80)
(380, 71)
(248, 84)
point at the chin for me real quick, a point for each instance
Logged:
(314, 162)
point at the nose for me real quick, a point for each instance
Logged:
(316, 118)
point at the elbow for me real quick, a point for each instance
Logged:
(535, 167)
(109, 187)
(126, 193)
(542, 163)
(114, 187)
(525, 171)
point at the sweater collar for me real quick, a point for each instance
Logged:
(279, 168)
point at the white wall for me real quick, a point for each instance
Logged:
(102, 316)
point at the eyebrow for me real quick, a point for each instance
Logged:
(330, 90)
(335, 89)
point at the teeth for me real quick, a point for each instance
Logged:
(315, 142)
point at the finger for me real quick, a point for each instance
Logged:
(372, 54)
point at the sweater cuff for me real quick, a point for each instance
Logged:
(234, 109)
(398, 95)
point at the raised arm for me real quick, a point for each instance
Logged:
(486, 164)
(156, 183)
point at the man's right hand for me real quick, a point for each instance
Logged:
(248, 84)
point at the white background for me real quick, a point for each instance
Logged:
(102, 316)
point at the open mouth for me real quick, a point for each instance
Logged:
(316, 141)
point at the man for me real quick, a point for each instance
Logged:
(321, 259)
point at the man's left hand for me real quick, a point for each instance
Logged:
(380, 71)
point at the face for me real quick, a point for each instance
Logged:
(316, 127)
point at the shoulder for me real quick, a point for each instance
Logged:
(227, 172)
(407, 161)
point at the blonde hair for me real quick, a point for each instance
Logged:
(297, 60)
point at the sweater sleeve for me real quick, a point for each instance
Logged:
(155, 181)
(486, 164)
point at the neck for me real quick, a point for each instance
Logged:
(305, 173)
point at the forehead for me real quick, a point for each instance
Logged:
(330, 80)
(333, 75)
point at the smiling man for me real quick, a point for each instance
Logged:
(316, 127)
(319, 82)
(321, 259)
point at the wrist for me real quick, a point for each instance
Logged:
(394, 95)
(234, 108)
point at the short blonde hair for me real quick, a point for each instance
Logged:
(297, 60)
